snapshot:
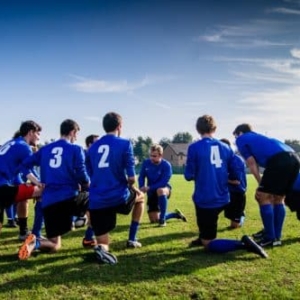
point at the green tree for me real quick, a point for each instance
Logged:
(182, 138)
(164, 142)
(295, 144)
(141, 147)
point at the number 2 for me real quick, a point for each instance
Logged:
(103, 163)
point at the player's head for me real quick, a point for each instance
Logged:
(30, 131)
(69, 129)
(206, 125)
(156, 153)
(225, 141)
(242, 128)
(112, 122)
(90, 139)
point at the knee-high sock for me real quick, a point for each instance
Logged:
(134, 226)
(223, 245)
(162, 202)
(267, 216)
(279, 216)
(89, 233)
(172, 215)
(38, 219)
(10, 212)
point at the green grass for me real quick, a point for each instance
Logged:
(164, 268)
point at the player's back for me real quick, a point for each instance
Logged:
(208, 165)
(110, 160)
(62, 168)
(260, 146)
(12, 153)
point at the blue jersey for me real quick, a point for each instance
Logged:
(296, 185)
(62, 169)
(240, 175)
(110, 161)
(12, 154)
(209, 162)
(260, 147)
(157, 175)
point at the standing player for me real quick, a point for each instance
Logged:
(281, 170)
(62, 170)
(209, 162)
(157, 171)
(110, 162)
(237, 184)
(12, 153)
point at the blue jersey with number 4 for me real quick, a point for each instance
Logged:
(208, 164)
(110, 161)
(62, 169)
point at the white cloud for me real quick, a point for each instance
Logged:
(102, 86)
(295, 53)
(283, 10)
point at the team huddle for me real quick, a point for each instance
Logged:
(68, 182)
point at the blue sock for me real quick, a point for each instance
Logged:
(89, 233)
(37, 245)
(134, 226)
(172, 215)
(223, 246)
(267, 216)
(162, 203)
(10, 212)
(38, 219)
(279, 216)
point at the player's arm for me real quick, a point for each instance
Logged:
(253, 168)
(189, 171)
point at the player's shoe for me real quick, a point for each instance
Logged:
(23, 237)
(11, 224)
(80, 222)
(88, 243)
(253, 247)
(162, 223)
(133, 244)
(269, 243)
(259, 235)
(196, 243)
(27, 247)
(181, 215)
(104, 257)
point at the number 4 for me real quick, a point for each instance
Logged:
(215, 157)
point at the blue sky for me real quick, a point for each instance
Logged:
(160, 64)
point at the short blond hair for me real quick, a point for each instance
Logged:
(158, 148)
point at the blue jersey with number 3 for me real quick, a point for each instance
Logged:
(209, 162)
(110, 161)
(62, 169)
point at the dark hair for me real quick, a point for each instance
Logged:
(242, 128)
(206, 124)
(27, 126)
(90, 139)
(225, 141)
(67, 126)
(111, 121)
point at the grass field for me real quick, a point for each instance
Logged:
(164, 268)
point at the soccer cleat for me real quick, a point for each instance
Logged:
(88, 243)
(269, 243)
(27, 247)
(133, 244)
(23, 237)
(196, 243)
(253, 247)
(259, 235)
(80, 222)
(181, 215)
(162, 223)
(11, 224)
(104, 257)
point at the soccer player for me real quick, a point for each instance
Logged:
(157, 171)
(281, 167)
(110, 162)
(209, 161)
(12, 188)
(237, 185)
(63, 172)
(88, 240)
(292, 199)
